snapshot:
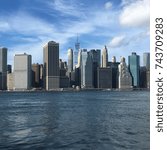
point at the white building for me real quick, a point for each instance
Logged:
(105, 57)
(86, 69)
(125, 79)
(22, 72)
(70, 60)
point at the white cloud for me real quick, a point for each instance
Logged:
(118, 41)
(67, 7)
(26, 24)
(108, 5)
(136, 14)
(4, 26)
(126, 2)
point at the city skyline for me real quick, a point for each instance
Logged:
(123, 26)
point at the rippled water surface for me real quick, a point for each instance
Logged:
(89, 120)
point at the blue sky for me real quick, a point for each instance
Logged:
(122, 25)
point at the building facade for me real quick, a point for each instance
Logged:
(146, 60)
(95, 55)
(70, 60)
(134, 68)
(22, 72)
(35, 75)
(104, 78)
(104, 57)
(124, 79)
(51, 66)
(3, 68)
(86, 70)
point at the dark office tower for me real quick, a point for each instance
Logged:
(86, 70)
(95, 55)
(104, 57)
(77, 76)
(115, 74)
(146, 60)
(35, 75)
(104, 78)
(143, 77)
(51, 66)
(70, 60)
(134, 68)
(77, 47)
(61, 64)
(3, 68)
(9, 69)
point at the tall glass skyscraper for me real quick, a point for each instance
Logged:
(77, 47)
(86, 70)
(95, 55)
(134, 68)
(3, 68)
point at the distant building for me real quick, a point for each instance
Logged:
(51, 66)
(3, 68)
(10, 81)
(125, 79)
(146, 60)
(9, 69)
(41, 81)
(104, 57)
(95, 55)
(22, 72)
(148, 79)
(115, 73)
(35, 75)
(77, 47)
(86, 70)
(79, 58)
(70, 60)
(134, 68)
(143, 77)
(77, 76)
(104, 78)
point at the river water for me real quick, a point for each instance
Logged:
(86, 120)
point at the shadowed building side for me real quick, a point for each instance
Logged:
(3, 68)
(51, 66)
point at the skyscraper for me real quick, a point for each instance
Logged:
(70, 60)
(104, 57)
(86, 70)
(146, 60)
(134, 68)
(95, 55)
(22, 72)
(77, 47)
(51, 66)
(3, 68)
(104, 78)
(114, 67)
(125, 79)
(35, 75)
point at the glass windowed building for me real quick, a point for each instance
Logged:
(134, 68)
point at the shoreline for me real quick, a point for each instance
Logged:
(72, 90)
